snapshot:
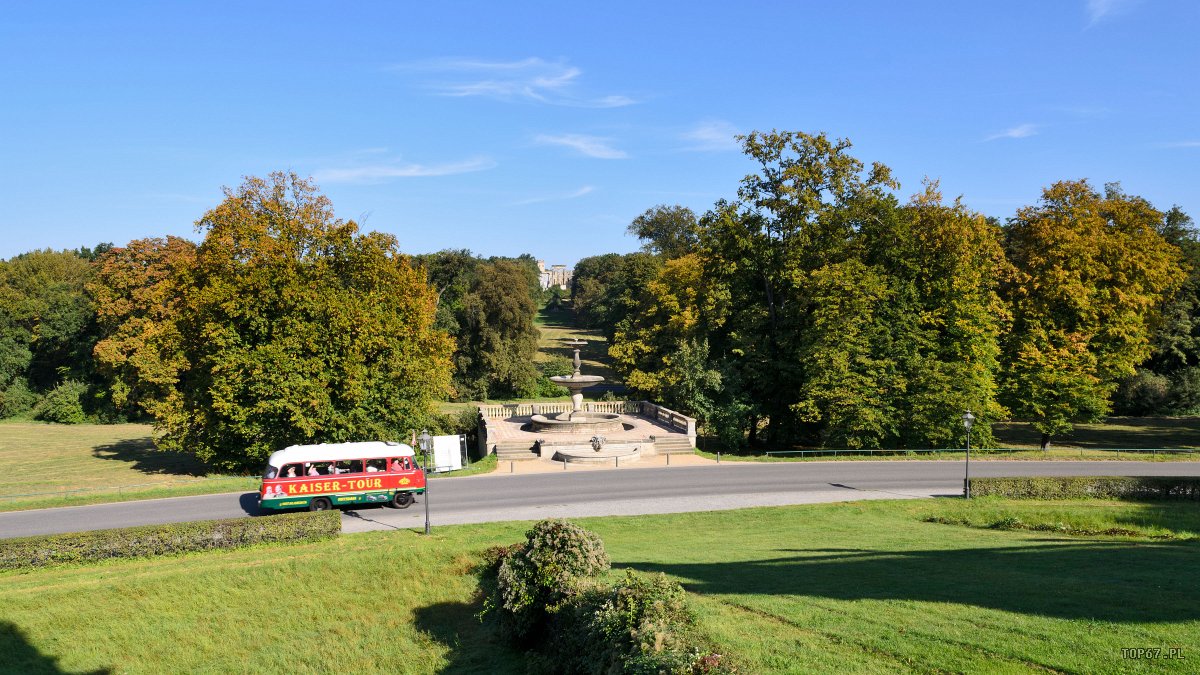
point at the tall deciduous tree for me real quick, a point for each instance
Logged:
(47, 322)
(497, 338)
(1091, 271)
(669, 231)
(138, 291)
(296, 328)
(794, 218)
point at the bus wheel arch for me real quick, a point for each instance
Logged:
(402, 500)
(320, 504)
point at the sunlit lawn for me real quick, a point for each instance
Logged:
(46, 465)
(838, 588)
(55, 465)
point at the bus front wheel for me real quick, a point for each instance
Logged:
(402, 500)
(319, 504)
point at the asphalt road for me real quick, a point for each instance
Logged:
(630, 491)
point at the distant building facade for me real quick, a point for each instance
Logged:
(555, 275)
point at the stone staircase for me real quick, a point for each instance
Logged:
(514, 450)
(674, 444)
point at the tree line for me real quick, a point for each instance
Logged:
(283, 325)
(817, 309)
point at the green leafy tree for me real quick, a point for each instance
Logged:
(296, 328)
(47, 321)
(497, 338)
(795, 217)
(944, 265)
(679, 306)
(669, 231)
(1091, 273)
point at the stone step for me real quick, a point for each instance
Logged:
(514, 450)
(673, 445)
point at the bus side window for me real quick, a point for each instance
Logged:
(292, 471)
(394, 465)
(353, 466)
(374, 465)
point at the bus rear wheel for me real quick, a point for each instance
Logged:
(402, 500)
(319, 504)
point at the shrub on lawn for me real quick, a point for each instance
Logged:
(64, 404)
(1141, 488)
(154, 540)
(17, 399)
(534, 580)
(545, 597)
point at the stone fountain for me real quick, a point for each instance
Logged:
(577, 421)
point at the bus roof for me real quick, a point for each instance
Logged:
(329, 451)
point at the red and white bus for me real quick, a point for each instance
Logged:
(319, 477)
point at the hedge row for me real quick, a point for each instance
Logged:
(155, 540)
(1142, 488)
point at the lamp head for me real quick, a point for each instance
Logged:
(424, 439)
(968, 419)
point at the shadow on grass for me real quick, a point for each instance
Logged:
(18, 656)
(146, 458)
(1116, 432)
(474, 647)
(1120, 582)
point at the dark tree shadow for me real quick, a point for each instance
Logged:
(1113, 581)
(145, 458)
(474, 646)
(18, 656)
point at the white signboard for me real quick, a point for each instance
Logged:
(447, 453)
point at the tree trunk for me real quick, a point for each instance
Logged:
(1045, 442)
(753, 439)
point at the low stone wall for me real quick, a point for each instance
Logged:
(490, 414)
(507, 410)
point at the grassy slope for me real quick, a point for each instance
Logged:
(860, 587)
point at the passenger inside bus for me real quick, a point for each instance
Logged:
(375, 465)
(395, 465)
(291, 471)
(312, 470)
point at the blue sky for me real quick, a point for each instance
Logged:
(546, 127)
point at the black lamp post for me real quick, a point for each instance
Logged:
(426, 446)
(968, 419)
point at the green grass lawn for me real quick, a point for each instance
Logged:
(45, 465)
(556, 326)
(1116, 432)
(1019, 441)
(866, 587)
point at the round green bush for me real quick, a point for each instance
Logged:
(64, 404)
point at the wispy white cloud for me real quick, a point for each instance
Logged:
(532, 79)
(711, 135)
(382, 171)
(1019, 131)
(592, 146)
(1098, 10)
(585, 190)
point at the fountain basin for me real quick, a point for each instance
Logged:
(577, 423)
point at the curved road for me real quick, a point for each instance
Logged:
(631, 491)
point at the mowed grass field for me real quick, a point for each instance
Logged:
(865, 587)
(56, 465)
